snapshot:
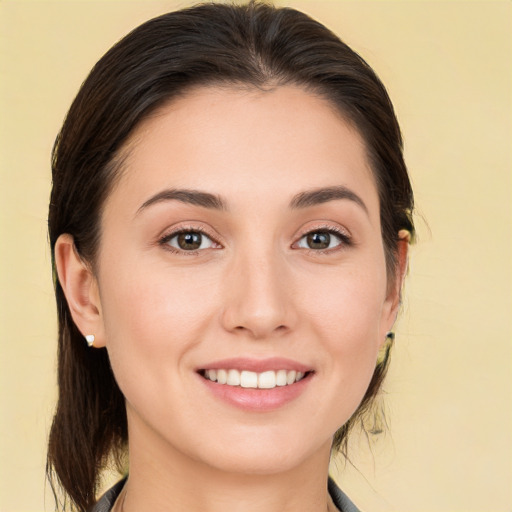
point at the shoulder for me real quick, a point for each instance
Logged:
(340, 499)
(106, 502)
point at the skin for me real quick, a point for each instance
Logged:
(254, 289)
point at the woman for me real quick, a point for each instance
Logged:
(229, 223)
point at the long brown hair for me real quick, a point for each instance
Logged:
(256, 45)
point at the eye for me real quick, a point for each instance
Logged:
(189, 241)
(322, 240)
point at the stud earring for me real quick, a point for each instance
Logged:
(90, 339)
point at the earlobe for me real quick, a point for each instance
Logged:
(80, 288)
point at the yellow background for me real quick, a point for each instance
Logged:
(447, 65)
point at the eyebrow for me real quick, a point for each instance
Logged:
(302, 200)
(195, 197)
(324, 195)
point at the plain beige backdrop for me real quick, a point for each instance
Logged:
(447, 65)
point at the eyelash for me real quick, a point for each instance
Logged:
(344, 239)
(164, 240)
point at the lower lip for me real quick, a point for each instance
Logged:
(258, 400)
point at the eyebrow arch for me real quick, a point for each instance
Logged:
(324, 195)
(195, 197)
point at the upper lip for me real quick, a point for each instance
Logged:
(256, 365)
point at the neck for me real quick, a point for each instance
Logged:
(163, 479)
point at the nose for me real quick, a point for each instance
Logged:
(259, 301)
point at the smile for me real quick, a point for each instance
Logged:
(248, 379)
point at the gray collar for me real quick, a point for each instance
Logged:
(340, 499)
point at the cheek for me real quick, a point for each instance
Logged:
(151, 317)
(347, 318)
(348, 306)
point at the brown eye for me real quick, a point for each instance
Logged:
(322, 240)
(319, 240)
(190, 241)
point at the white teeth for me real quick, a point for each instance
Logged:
(267, 380)
(233, 378)
(222, 376)
(246, 379)
(281, 378)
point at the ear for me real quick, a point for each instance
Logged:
(80, 288)
(393, 298)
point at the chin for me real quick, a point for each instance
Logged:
(262, 455)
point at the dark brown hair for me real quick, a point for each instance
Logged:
(254, 45)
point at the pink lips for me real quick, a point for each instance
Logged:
(257, 365)
(257, 400)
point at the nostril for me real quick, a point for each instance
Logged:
(280, 328)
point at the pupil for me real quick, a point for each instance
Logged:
(319, 240)
(189, 241)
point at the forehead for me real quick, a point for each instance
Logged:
(244, 141)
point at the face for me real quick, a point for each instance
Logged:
(241, 278)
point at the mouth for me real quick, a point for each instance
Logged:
(254, 380)
(256, 385)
